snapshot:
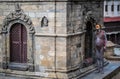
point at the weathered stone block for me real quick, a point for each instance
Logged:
(32, 14)
(29, 7)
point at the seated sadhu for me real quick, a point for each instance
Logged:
(100, 46)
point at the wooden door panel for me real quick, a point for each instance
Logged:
(14, 44)
(24, 54)
(15, 57)
(18, 44)
(24, 45)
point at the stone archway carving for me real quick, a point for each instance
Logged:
(17, 16)
(89, 17)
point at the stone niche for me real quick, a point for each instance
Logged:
(57, 50)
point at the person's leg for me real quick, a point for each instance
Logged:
(102, 60)
(97, 60)
(98, 65)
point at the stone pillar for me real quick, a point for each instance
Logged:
(30, 54)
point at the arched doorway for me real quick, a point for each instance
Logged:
(89, 45)
(18, 43)
(88, 40)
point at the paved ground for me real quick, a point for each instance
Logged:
(109, 70)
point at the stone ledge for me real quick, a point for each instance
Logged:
(59, 35)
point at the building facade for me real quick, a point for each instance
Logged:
(112, 20)
(48, 39)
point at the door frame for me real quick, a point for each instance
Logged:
(30, 49)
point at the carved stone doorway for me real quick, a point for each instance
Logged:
(20, 25)
(89, 45)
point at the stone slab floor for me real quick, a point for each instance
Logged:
(111, 71)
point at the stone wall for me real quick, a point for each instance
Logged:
(49, 41)
(58, 48)
(76, 29)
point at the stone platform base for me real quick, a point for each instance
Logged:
(76, 74)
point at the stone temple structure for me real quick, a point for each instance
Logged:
(48, 39)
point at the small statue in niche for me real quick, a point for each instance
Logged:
(44, 22)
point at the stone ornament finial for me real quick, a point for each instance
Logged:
(17, 7)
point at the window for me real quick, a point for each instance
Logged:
(112, 8)
(118, 7)
(106, 8)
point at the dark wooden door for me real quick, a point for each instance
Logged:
(18, 43)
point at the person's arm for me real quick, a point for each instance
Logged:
(105, 40)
